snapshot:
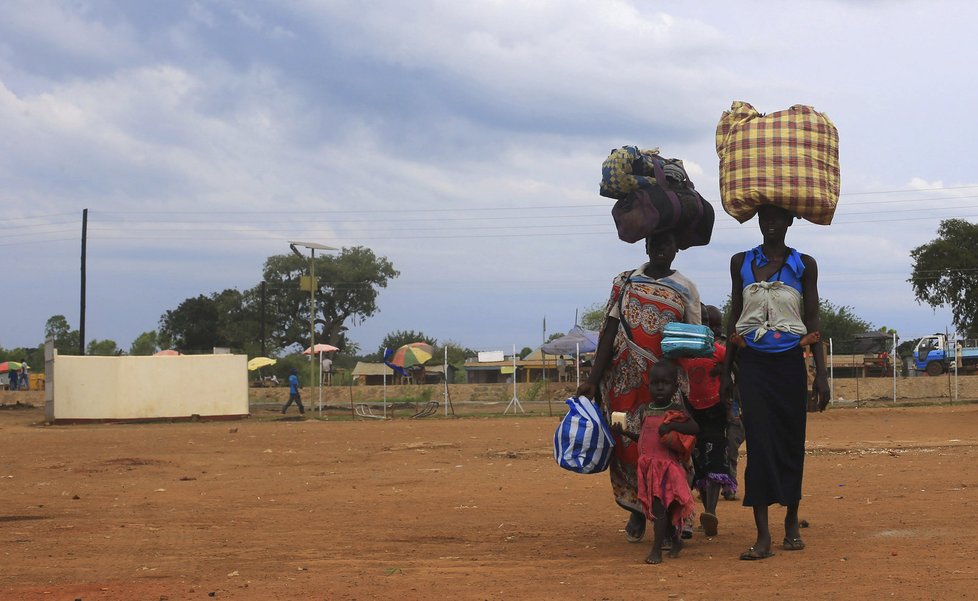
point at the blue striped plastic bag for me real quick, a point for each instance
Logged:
(583, 442)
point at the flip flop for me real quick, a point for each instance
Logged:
(709, 523)
(637, 536)
(753, 554)
(793, 544)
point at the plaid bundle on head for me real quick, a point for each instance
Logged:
(789, 159)
(619, 176)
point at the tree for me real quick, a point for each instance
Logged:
(841, 324)
(145, 344)
(457, 354)
(103, 348)
(397, 339)
(347, 287)
(945, 272)
(65, 339)
(223, 319)
(593, 317)
(192, 326)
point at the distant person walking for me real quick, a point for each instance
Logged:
(25, 377)
(14, 380)
(294, 395)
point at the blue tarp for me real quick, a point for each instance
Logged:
(568, 343)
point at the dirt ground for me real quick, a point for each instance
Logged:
(472, 508)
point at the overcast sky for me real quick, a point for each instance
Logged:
(462, 140)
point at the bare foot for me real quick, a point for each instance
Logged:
(655, 556)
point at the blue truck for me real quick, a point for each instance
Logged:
(934, 355)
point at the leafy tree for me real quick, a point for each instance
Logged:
(397, 339)
(33, 356)
(347, 287)
(593, 317)
(525, 351)
(192, 326)
(103, 348)
(457, 354)
(841, 324)
(199, 324)
(65, 339)
(945, 272)
(144, 344)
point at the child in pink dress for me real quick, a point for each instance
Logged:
(663, 487)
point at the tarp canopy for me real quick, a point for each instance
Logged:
(538, 355)
(577, 340)
(379, 369)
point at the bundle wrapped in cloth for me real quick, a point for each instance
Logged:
(789, 159)
(654, 195)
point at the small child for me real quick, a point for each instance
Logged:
(662, 485)
(712, 470)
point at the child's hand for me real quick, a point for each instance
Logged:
(617, 429)
(665, 428)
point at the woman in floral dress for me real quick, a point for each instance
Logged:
(642, 302)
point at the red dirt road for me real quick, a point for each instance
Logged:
(468, 508)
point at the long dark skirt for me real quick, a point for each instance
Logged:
(773, 404)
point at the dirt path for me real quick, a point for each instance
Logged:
(466, 509)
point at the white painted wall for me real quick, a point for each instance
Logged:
(148, 387)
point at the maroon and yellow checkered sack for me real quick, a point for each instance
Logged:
(789, 159)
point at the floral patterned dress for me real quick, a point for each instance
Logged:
(643, 306)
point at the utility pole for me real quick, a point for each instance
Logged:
(81, 319)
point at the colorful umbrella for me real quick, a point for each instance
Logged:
(320, 348)
(9, 366)
(416, 353)
(260, 362)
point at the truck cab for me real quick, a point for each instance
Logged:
(934, 355)
(929, 355)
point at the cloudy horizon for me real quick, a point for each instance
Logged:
(463, 141)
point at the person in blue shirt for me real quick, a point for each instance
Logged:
(774, 314)
(294, 392)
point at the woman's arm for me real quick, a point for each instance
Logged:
(602, 359)
(810, 307)
(736, 308)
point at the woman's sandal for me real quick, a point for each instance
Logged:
(634, 534)
(753, 554)
(793, 544)
(709, 523)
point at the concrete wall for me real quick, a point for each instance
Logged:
(116, 388)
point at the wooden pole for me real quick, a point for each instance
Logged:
(84, 253)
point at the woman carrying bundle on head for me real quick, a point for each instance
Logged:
(642, 302)
(774, 313)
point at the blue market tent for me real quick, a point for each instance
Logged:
(577, 340)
